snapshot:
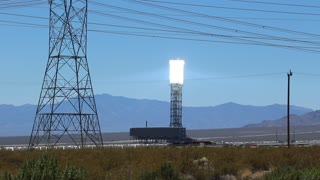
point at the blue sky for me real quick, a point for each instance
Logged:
(137, 67)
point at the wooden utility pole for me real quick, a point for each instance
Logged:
(288, 108)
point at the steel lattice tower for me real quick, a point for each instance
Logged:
(176, 83)
(67, 108)
(176, 105)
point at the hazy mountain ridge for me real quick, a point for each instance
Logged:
(308, 119)
(118, 114)
(232, 115)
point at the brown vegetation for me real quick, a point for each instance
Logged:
(188, 162)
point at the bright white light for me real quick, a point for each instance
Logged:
(176, 71)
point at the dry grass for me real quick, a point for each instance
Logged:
(113, 163)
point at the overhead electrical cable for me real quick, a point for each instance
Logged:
(24, 15)
(230, 17)
(300, 48)
(211, 26)
(233, 8)
(213, 35)
(224, 19)
(232, 30)
(8, 3)
(24, 23)
(20, 4)
(307, 74)
(234, 39)
(279, 4)
(150, 29)
(157, 81)
(239, 76)
(136, 34)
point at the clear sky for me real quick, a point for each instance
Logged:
(137, 66)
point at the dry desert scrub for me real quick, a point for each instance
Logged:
(174, 162)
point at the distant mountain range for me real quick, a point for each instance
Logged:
(309, 119)
(119, 114)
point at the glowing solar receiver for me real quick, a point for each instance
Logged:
(176, 71)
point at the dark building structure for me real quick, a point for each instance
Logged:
(158, 134)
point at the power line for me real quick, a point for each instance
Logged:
(307, 74)
(210, 26)
(157, 81)
(230, 17)
(20, 25)
(25, 24)
(212, 35)
(24, 15)
(225, 19)
(20, 4)
(9, 83)
(271, 19)
(275, 38)
(94, 23)
(240, 76)
(234, 8)
(182, 30)
(300, 48)
(280, 4)
(152, 29)
(195, 23)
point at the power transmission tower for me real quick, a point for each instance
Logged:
(66, 108)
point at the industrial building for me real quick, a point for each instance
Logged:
(158, 134)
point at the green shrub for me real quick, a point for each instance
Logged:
(73, 173)
(284, 173)
(6, 176)
(154, 175)
(46, 168)
(167, 171)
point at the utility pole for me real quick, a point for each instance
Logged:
(288, 108)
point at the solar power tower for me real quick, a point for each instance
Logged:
(176, 83)
(67, 108)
